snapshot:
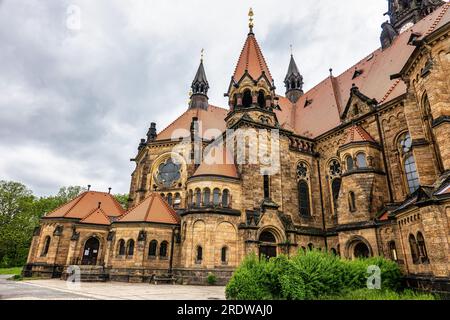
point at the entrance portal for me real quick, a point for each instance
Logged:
(361, 250)
(90, 252)
(268, 246)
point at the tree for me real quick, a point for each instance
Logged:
(123, 200)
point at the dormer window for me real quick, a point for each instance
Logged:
(308, 102)
(357, 73)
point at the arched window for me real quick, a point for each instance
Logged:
(422, 248)
(303, 198)
(351, 201)
(361, 160)
(393, 251)
(191, 198)
(121, 247)
(199, 256)
(152, 248)
(177, 201)
(267, 237)
(261, 99)
(163, 249)
(247, 99)
(409, 163)
(170, 199)
(226, 198)
(349, 163)
(130, 248)
(216, 197)
(310, 247)
(224, 254)
(198, 198)
(336, 188)
(266, 187)
(206, 197)
(46, 246)
(414, 249)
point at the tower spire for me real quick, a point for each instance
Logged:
(293, 81)
(199, 87)
(250, 21)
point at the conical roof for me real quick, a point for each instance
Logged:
(292, 70)
(358, 134)
(153, 209)
(217, 162)
(252, 61)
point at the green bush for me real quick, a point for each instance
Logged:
(367, 294)
(308, 275)
(212, 279)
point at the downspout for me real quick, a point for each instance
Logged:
(324, 226)
(171, 252)
(388, 173)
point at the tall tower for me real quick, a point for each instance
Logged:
(293, 82)
(252, 87)
(199, 87)
(404, 13)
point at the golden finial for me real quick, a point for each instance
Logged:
(250, 19)
(202, 53)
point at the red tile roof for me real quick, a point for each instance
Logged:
(85, 204)
(152, 209)
(218, 162)
(252, 61)
(326, 101)
(357, 134)
(97, 216)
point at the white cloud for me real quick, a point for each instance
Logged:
(74, 104)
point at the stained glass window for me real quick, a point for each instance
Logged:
(168, 173)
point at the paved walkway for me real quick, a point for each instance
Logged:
(55, 289)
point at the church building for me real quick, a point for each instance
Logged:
(357, 166)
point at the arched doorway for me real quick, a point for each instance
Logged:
(90, 252)
(361, 250)
(268, 245)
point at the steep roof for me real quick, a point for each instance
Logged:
(85, 204)
(217, 162)
(319, 110)
(292, 69)
(152, 209)
(200, 76)
(358, 134)
(97, 216)
(252, 61)
(212, 123)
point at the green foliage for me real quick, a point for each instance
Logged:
(367, 294)
(11, 271)
(306, 276)
(212, 279)
(122, 199)
(20, 212)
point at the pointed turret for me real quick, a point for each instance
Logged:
(252, 84)
(200, 86)
(293, 82)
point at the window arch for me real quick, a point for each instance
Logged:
(191, 198)
(266, 182)
(414, 249)
(361, 160)
(393, 251)
(199, 255)
(422, 247)
(303, 198)
(163, 249)
(130, 248)
(349, 162)
(352, 201)
(121, 246)
(198, 198)
(336, 188)
(206, 197)
(408, 162)
(261, 99)
(226, 198)
(224, 255)
(46, 246)
(170, 199)
(152, 248)
(247, 99)
(216, 197)
(310, 247)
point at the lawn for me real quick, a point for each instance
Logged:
(11, 271)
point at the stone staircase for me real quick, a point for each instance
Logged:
(90, 274)
(163, 279)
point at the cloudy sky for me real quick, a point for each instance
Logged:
(76, 95)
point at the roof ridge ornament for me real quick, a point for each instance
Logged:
(250, 20)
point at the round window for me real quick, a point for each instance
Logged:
(168, 174)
